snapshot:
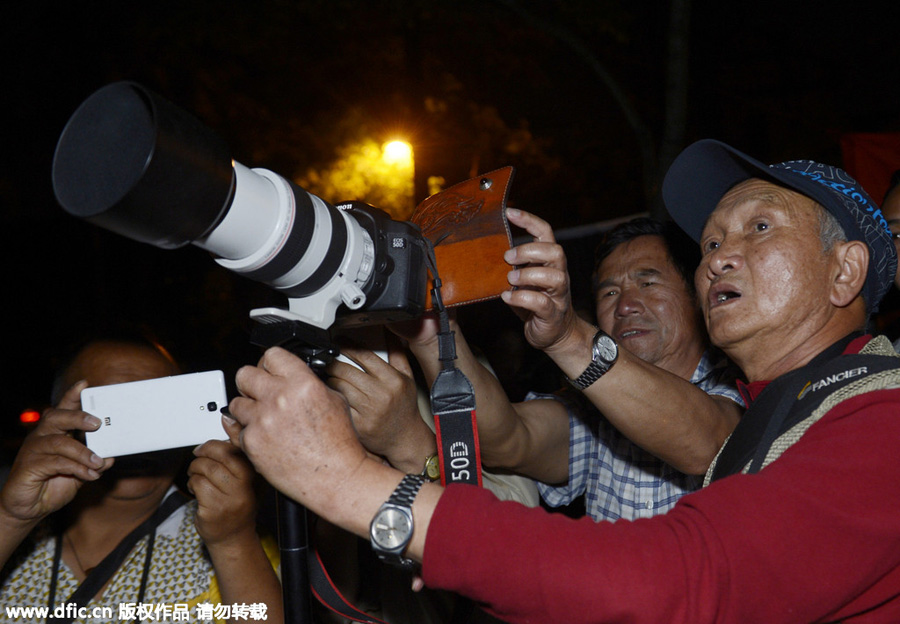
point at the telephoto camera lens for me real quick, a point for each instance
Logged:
(132, 162)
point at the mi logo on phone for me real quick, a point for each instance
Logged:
(107, 421)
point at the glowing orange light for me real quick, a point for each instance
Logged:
(29, 417)
(399, 152)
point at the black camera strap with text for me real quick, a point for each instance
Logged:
(453, 406)
(790, 399)
(452, 401)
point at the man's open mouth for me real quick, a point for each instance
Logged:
(722, 296)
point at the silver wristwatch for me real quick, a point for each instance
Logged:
(392, 527)
(604, 352)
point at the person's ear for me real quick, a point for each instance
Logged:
(851, 269)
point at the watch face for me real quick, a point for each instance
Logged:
(432, 468)
(391, 529)
(605, 348)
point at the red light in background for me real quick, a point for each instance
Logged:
(29, 417)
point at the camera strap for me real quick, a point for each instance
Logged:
(452, 400)
(790, 400)
(464, 226)
(99, 575)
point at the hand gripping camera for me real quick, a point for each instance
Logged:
(134, 163)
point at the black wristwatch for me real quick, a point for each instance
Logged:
(604, 352)
(392, 527)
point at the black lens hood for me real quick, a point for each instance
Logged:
(132, 162)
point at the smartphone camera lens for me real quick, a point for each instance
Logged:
(212, 407)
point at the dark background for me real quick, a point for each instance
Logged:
(475, 85)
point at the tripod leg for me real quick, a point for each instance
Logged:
(293, 541)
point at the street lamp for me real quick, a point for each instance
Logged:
(398, 153)
(400, 174)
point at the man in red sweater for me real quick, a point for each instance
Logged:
(801, 520)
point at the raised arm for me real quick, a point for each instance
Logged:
(48, 471)
(661, 412)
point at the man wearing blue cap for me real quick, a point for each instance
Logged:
(801, 519)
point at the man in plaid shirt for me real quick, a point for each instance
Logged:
(644, 294)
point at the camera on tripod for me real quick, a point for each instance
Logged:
(132, 162)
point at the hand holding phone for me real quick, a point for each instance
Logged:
(156, 414)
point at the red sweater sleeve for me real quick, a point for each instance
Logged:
(815, 536)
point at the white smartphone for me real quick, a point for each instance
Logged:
(156, 414)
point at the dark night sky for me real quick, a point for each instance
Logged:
(776, 79)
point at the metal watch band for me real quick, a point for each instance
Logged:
(592, 373)
(406, 490)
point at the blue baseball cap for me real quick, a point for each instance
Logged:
(702, 174)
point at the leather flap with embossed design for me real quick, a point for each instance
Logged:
(467, 224)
